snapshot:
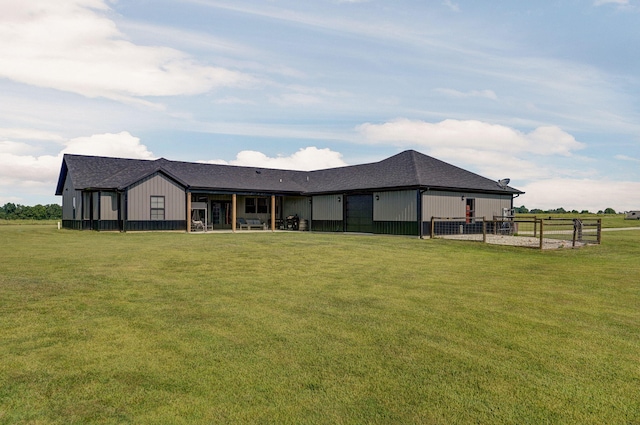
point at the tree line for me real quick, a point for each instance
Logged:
(10, 211)
(524, 210)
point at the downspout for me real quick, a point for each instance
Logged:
(119, 201)
(99, 210)
(188, 218)
(420, 223)
(126, 209)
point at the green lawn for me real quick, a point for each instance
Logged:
(304, 328)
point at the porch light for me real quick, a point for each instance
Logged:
(377, 197)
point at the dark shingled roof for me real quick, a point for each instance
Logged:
(408, 169)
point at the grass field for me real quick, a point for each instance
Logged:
(305, 328)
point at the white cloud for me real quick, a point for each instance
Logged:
(618, 2)
(488, 94)
(121, 144)
(309, 158)
(28, 134)
(23, 171)
(471, 134)
(589, 194)
(451, 5)
(627, 158)
(72, 45)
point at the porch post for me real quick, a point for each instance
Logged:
(188, 212)
(273, 213)
(234, 213)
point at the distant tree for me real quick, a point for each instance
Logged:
(557, 211)
(600, 212)
(610, 211)
(54, 211)
(536, 211)
(521, 210)
(574, 212)
(585, 212)
(12, 211)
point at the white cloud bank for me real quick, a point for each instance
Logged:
(497, 151)
(72, 45)
(26, 174)
(309, 158)
(23, 172)
(587, 194)
(471, 134)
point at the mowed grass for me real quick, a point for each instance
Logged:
(305, 328)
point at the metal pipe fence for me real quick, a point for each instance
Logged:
(533, 232)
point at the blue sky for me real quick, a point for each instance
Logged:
(545, 93)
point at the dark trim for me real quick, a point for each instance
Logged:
(407, 228)
(72, 224)
(138, 225)
(327, 225)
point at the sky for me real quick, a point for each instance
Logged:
(546, 93)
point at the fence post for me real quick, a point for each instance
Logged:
(535, 225)
(599, 230)
(484, 230)
(541, 232)
(432, 229)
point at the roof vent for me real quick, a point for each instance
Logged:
(258, 172)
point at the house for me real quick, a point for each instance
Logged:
(397, 195)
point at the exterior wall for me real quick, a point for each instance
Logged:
(395, 213)
(490, 205)
(139, 199)
(68, 194)
(300, 205)
(327, 213)
(327, 207)
(108, 206)
(399, 205)
(451, 204)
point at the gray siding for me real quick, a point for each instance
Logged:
(399, 205)
(108, 206)
(327, 207)
(490, 205)
(68, 195)
(300, 205)
(139, 198)
(451, 204)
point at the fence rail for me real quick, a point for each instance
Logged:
(526, 231)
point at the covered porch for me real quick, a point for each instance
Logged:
(243, 211)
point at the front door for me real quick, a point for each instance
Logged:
(359, 213)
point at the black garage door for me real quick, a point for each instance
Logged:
(360, 213)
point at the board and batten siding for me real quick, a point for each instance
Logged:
(398, 205)
(139, 198)
(301, 205)
(327, 207)
(68, 195)
(108, 206)
(451, 204)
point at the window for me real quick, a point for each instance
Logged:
(263, 206)
(256, 205)
(157, 208)
(250, 205)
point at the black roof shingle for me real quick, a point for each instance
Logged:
(408, 169)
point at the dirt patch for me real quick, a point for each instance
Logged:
(524, 241)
